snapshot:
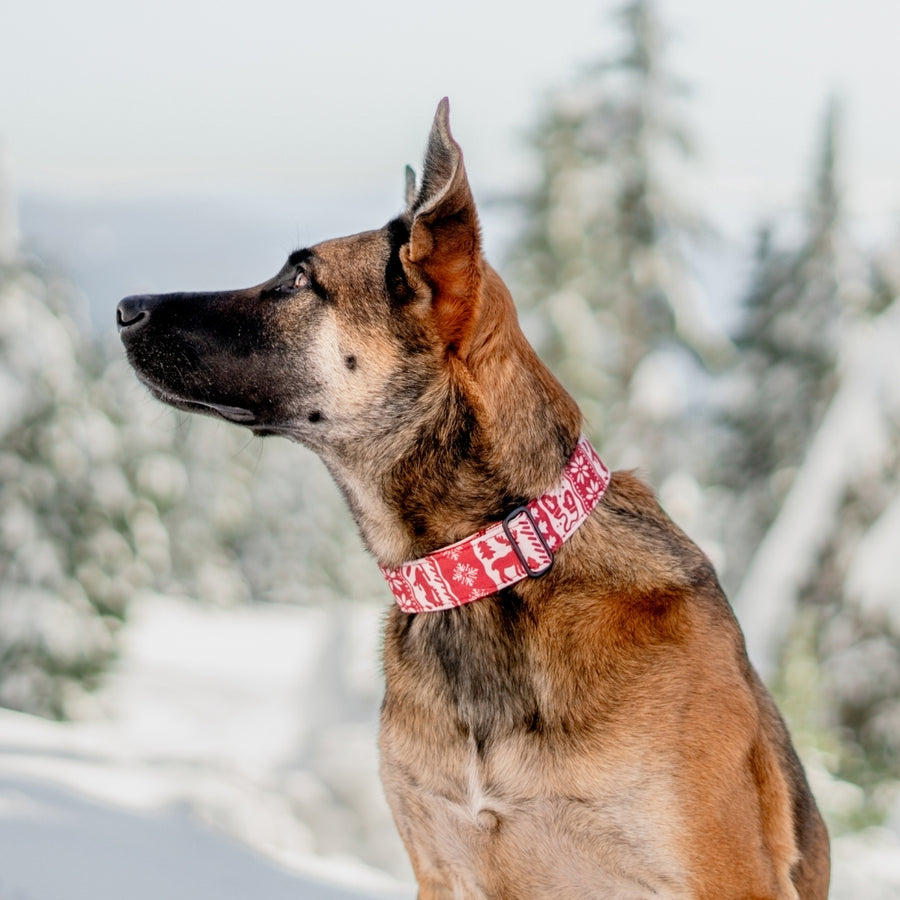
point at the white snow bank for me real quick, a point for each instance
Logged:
(75, 824)
(167, 795)
(199, 772)
(216, 685)
(866, 865)
(81, 819)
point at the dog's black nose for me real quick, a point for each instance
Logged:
(133, 312)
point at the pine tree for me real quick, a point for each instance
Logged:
(786, 371)
(820, 600)
(814, 465)
(601, 267)
(66, 564)
(88, 475)
(107, 495)
(851, 595)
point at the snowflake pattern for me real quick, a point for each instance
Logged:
(583, 472)
(465, 574)
(445, 579)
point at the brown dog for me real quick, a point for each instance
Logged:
(595, 731)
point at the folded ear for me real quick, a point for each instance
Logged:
(444, 245)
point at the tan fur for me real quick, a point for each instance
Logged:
(656, 770)
(654, 760)
(594, 733)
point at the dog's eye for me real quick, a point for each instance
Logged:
(301, 281)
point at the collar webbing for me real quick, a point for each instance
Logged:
(521, 545)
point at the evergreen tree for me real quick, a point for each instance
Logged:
(851, 595)
(820, 601)
(67, 566)
(601, 266)
(106, 495)
(815, 471)
(785, 373)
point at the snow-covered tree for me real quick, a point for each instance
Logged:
(87, 475)
(812, 525)
(853, 591)
(66, 564)
(820, 602)
(106, 494)
(801, 295)
(601, 266)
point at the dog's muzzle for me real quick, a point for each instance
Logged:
(134, 312)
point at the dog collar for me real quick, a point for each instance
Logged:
(520, 546)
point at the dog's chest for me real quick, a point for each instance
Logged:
(501, 826)
(492, 805)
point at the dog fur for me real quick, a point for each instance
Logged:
(594, 733)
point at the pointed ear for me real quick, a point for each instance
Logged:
(444, 245)
(410, 187)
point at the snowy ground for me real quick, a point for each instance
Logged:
(232, 755)
(212, 765)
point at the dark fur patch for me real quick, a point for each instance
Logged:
(298, 257)
(447, 469)
(483, 657)
(394, 276)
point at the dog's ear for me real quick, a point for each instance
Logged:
(410, 187)
(444, 246)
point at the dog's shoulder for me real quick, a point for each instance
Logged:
(637, 545)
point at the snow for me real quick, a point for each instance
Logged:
(177, 785)
(185, 777)
(242, 670)
(872, 576)
(856, 434)
(57, 844)
(866, 865)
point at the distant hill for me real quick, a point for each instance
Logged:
(111, 248)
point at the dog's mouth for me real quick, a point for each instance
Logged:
(262, 417)
(238, 414)
(231, 413)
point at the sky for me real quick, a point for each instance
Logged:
(104, 98)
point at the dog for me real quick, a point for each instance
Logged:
(569, 709)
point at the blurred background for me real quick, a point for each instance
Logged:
(697, 207)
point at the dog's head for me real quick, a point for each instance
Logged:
(376, 350)
(345, 339)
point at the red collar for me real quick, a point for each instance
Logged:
(504, 553)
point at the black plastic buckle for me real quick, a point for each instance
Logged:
(507, 530)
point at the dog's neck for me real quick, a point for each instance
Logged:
(412, 512)
(521, 545)
(496, 432)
